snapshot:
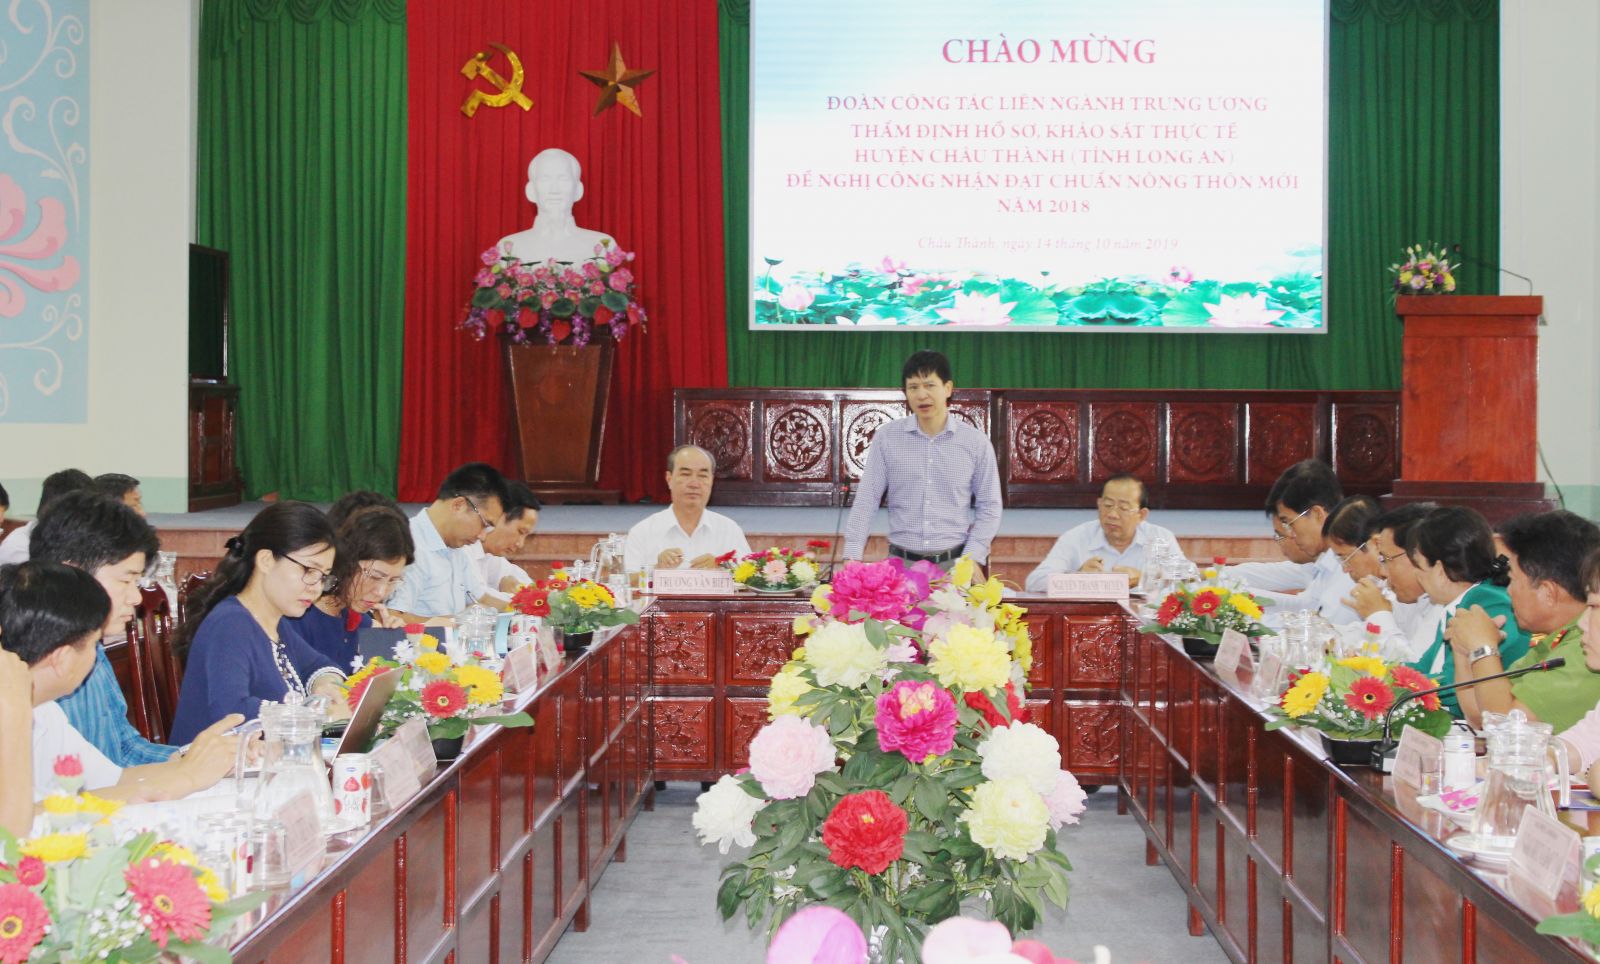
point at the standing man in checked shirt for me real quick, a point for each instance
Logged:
(939, 472)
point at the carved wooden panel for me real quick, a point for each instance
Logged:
(1278, 436)
(1364, 439)
(799, 440)
(1094, 737)
(745, 717)
(725, 429)
(1094, 653)
(1202, 442)
(1042, 713)
(682, 644)
(858, 422)
(1122, 439)
(1042, 439)
(682, 732)
(1043, 673)
(974, 412)
(759, 646)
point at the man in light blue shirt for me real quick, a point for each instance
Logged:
(445, 578)
(1116, 542)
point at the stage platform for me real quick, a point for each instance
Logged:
(567, 531)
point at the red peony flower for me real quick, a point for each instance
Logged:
(68, 765)
(1409, 679)
(1170, 608)
(532, 601)
(30, 872)
(443, 699)
(23, 918)
(865, 830)
(980, 701)
(170, 900)
(1369, 695)
(1206, 603)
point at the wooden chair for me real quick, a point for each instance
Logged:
(154, 617)
(190, 583)
(132, 657)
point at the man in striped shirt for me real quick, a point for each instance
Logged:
(939, 473)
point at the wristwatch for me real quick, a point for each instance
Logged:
(1482, 652)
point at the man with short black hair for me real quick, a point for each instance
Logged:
(106, 538)
(1298, 505)
(443, 581)
(490, 553)
(1115, 542)
(1407, 620)
(1546, 552)
(123, 487)
(15, 546)
(940, 475)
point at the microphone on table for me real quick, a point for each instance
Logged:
(838, 529)
(1380, 752)
(1470, 259)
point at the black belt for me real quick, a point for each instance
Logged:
(937, 558)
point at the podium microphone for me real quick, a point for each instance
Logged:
(838, 529)
(1380, 752)
(1469, 259)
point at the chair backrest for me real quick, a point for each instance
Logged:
(139, 687)
(191, 582)
(154, 616)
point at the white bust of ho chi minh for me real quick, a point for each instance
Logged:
(555, 184)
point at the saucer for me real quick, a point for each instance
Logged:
(1469, 846)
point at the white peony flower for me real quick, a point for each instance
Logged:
(1066, 801)
(1022, 750)
(723, 815)
(841, 654)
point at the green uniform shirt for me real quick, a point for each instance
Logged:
(1439, 662)
(1560, 697)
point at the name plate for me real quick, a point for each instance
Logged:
(303, 843)
(549, 656)
(398, 780)
(520, 674)
(413, 737)
(693, 582)
(1546, 851)
(1415, 747)
(1234, 652)
(1086, 586)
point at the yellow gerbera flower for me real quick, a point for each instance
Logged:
(1305, 694)
(59, 804)
(99, 806)
(1245, 604)
(1591, 901)
(207, 878)
(55, 848)
(430, 643)
(177, 853)
(1371, 665)
(433, 662)
(743, 571)
(483, 686)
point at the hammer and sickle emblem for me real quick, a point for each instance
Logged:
(509, 93)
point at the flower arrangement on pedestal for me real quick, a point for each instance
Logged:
(1349, 698)
(1207, 612)
(78, 894)
(556, 302)
(898, 776)
(452, 698)
(1424, 272)
(775, 570)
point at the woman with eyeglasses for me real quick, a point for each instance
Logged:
(238, 638)
(374, 549)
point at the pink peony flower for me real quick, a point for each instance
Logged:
(978, 310)
(775, 571)
(617, 281)
(878, 589)
(818, 935)
(796, 297)
(787, 754)
(1066, 801)
(918, 718)
(961, 940)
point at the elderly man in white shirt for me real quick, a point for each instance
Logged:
(444, 579)
(1115, 542)
(686, 535)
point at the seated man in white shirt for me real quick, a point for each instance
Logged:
(51, 617)
(1116, 542)
(685, 535)
(490, 553)
(14, 548)
(443, 581)
(1299, 504)
(1395, 602)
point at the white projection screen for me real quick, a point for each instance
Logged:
(1027, 165)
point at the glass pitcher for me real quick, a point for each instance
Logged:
(605, 558)
(1522, 763)
(291, 760)
(474, 635)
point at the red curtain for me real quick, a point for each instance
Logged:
(654, 183)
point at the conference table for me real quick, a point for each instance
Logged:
(1282, 855)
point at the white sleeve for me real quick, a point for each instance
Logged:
(1061, 558)
(1284, 576)
(54, 736)
(636, 552)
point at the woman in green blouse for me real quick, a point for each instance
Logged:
(1453, 550)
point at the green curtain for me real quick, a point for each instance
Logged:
(302, 179)
(1414, 155)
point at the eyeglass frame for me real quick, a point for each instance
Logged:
(1105, 503)
(1345, 559)
(488, 526)
(1281, 530)
(311, 575)
(1383, 560)
(388, 581)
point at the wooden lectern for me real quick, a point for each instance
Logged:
(1469, 403)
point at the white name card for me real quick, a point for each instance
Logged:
(398, 780)
(693, 582)
(1234, 652)
(1415, 747)
(304, 842)
(520, 674)
(1087, 586)
(1546, 851)
(413, 736)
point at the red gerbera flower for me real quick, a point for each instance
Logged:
(1170, 608)
(726, 557)
(1206, 603)
(23, 918)
(443, 699)
(531, 601)
(1369, 695)
(1407, 678)
(818, 544)
(30, 871)
(170, 900)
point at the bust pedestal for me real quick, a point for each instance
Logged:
(559, 396)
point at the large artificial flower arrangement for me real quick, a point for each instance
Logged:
(1424, 272)
(775, 570)
(1349, 698)
(898, 776)
(555, 302)
(1207, 612)
(78, 894)
(572, 605)
(452, 698)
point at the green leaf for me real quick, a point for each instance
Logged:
(205, 953)
(902, 788)
(615, 300)
(932, 798)
(876, 634)
(1579, 925)
(728, 895)
(448, 729)
(563, 308)
(508, 719)
(485, 298)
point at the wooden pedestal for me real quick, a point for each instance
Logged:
(559, 395)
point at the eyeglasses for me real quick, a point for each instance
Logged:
(1281, 528)
(488, 526)
(1383, 560)
(1344, 560)
(381, 580)
(311, 575)
(1109, 505)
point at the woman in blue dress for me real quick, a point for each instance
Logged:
(374, 549)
